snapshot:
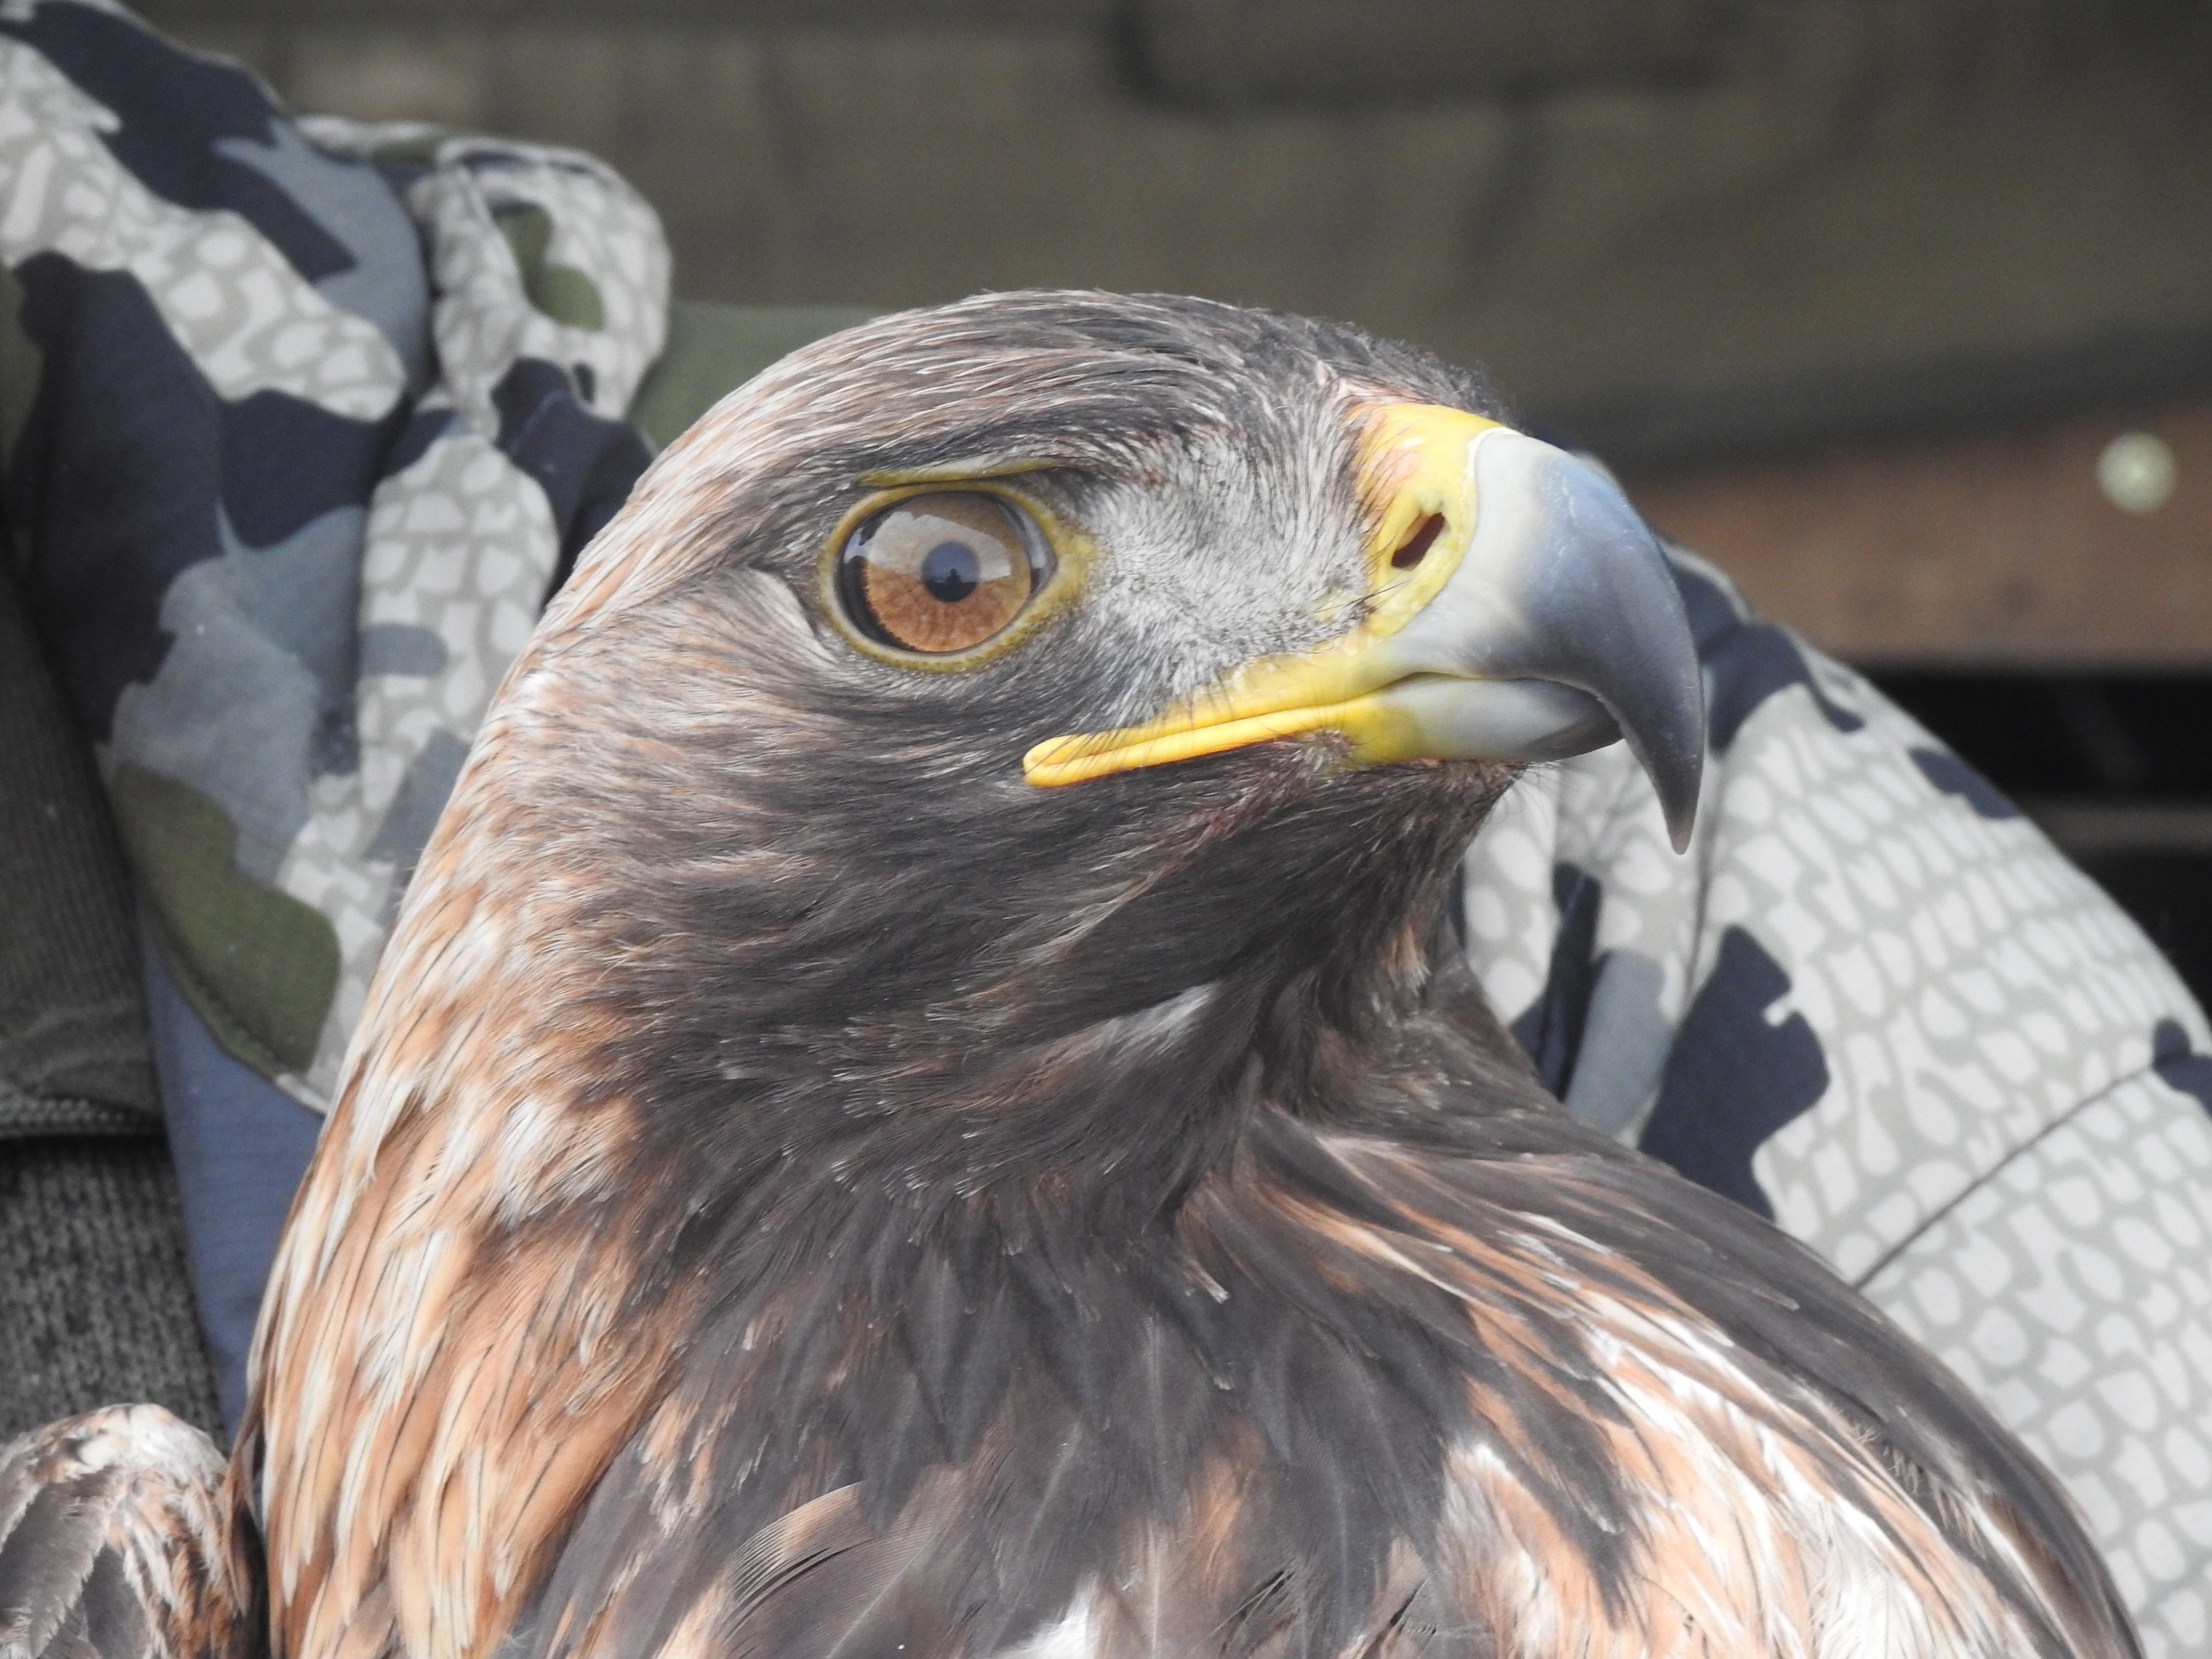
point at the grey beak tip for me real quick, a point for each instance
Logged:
(1682, 819)
(1650, 678)
(1679, 774)
(1676, 768)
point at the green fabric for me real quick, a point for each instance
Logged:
(247, 946)
(20, 364)
(713, 349)
(562, 292)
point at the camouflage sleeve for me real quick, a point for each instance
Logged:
(304, 419)
(321, 411)
(1873, 1004)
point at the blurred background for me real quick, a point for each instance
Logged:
(1901, 310)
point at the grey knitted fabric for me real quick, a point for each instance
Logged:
(95, 1305)
(95, 1302)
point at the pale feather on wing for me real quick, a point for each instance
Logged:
(119, 1539)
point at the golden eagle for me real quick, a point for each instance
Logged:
(923, 1101)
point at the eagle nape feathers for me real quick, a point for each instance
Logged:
(922, 1100)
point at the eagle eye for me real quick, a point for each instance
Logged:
(941, 572)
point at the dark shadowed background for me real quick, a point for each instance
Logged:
(1901, 309)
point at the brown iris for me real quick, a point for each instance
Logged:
(941, 572)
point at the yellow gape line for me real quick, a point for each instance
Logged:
(1414, 463)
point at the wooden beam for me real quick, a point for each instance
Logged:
(1999, 548)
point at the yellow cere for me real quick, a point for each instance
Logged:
(1413, 464)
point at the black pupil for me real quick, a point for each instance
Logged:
(951, 571)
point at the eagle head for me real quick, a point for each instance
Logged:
(1055, 683)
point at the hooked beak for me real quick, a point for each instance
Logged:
(1518, 611)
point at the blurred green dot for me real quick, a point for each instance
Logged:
(2138, 473)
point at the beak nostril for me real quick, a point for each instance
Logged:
(1417, 545)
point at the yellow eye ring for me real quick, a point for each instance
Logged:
(954, 581)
